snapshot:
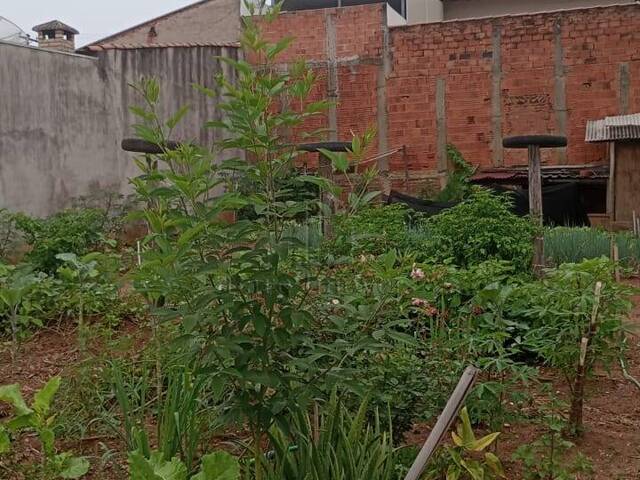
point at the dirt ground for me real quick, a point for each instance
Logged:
(612, 409)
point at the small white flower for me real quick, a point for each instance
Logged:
(417, 273)
(335, 301)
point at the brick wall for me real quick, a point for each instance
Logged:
(472, 82)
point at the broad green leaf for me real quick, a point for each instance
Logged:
(11, 394)
(48, 439)
(218, 466)
(494, 464)
(75, 467)
(155, 468)
(5, 441)
(42, 399)
(464, 428)
(484, 442)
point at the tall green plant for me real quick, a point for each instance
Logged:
(242, 291)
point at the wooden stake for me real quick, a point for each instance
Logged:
(576, 426)
(535, 207)
(445, 420)
(616, 259)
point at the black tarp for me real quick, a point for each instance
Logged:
(561, 204)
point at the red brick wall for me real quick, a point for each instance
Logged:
(593, 43)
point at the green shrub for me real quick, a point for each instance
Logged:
(71, 231)
(374, 230)
(480, 228)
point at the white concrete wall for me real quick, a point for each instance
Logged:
(394, 19)
(63, 116)
(424, 11)
(461, 9)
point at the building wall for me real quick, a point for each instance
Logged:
(63, 117)
(473, 82)
(464, 9)
(209, 21)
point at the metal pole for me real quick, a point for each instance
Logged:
(535, 207)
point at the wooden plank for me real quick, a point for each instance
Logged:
(611, 190)
(445, 420)
(627, 179)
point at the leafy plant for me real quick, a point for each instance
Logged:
(545, 458)
(373, 230)
(560, 310)
(81, 273)
(458, 185)
(480, 228)
(461, 460)
(36, 417)
(333, 444)
(71, 231)
(8, 234)
(15, 285)
(214, 466)
(242, 292)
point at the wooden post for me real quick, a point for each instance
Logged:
(325, 169)
(615, 257)
(535, 207)
(611, 190)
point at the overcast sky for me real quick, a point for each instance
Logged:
(94, 19)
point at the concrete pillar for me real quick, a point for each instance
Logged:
(496, 95)
(441, 126)
(333, 93)
(625, 81)
(560, 89)
(382, 113)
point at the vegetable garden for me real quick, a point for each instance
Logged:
(261, 348)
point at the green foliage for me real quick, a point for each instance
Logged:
(559, 311)
(572, 245)
(463, 464)
(546, 457)
(15, 285)
(71, 231)
(458, 181)
(480, 228)
(241, 292)
(373, 230)
(8, 234)
(37, 418)
(340, 445)
(214, 466)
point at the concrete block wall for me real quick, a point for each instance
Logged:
(471, 82)
(63, 117)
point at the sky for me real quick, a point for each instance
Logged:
(94, 19)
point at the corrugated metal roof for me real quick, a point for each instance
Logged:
(621, 127)
(549, 172)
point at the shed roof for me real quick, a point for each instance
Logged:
(621, 127)
(55, 25)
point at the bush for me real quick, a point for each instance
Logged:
(479, 229)
(71, 231)
(374, 230)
